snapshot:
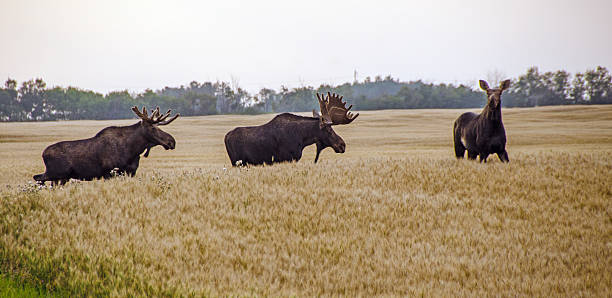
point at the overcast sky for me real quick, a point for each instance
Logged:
(116, 45)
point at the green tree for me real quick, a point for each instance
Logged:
(578, 89)
(116, 105)
(529, 87)
(32, 99)
(57, 99)
(10, 109)
(268, 98)
(598, 84)
(560, 86)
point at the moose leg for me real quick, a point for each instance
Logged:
(503, 156)
(40, 178)
(320, 148)
(297, 155)
(483, 157)
(55, 179)
(233, 161)
(132, 167)
(472, 155)
(282, 156)
(459, 148)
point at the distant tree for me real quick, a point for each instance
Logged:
(194, 85)
(560, 86)
(546, 93)
(578, 89)
(529, 88)
(32, 99)
(56, 98)
(300, 99)
(598, 84)
(198, 104)
(268, 98)
(116, 105)
(389, 78)
(9, 102)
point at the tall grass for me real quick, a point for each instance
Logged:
(395, 215)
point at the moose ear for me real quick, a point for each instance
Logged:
(504, 85)
(484, 85)
(315, 114)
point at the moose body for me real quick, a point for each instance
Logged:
(111, 148)
(284, 138)
(482, 134)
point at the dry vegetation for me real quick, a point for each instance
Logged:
(395, 215)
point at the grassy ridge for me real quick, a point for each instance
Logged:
(395, 215)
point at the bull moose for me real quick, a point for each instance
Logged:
(483, 134)
(110, 149)
(286, 135)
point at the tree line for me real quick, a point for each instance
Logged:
(34, 101)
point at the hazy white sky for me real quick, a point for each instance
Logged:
(115, 45)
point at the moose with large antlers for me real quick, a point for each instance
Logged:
(483, 134)
(110, 149)
(284, 137)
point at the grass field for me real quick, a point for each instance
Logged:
(395, 215)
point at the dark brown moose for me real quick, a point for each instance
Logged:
(483, 134)
(113, 148)
(285, 136)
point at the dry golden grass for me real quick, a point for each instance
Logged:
(395, 215)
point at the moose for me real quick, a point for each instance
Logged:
(113, 148)
(286, 135)
(483, 134)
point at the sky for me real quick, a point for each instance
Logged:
(133, 45)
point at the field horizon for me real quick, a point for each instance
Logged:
(395, 215)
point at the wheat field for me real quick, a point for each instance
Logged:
(396, 215)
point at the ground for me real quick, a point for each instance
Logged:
(395, 215)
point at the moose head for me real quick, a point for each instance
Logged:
(333, 112)
(151, 131)
(494, 95)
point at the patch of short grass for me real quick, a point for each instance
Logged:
(10, 288)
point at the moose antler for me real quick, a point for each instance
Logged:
(156, 116)
(325, 118)
(334, 111)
